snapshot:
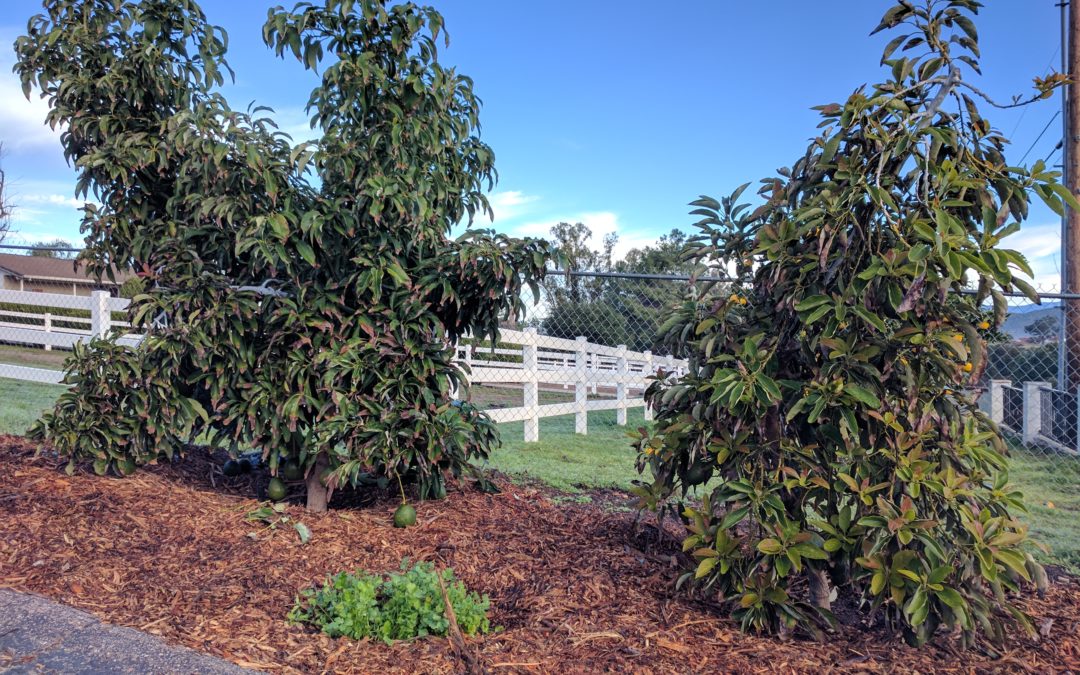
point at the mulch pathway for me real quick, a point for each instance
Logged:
(576, 587)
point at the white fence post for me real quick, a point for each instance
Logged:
(48, 329)
(454, 389)
(997, 400)
(100, 316)
(581, 392)
(531, 386)
(648, 371)
(1078, 419)
(594, 367)
(1033, 410)
(620, 387)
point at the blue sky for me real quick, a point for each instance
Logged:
(614, 113)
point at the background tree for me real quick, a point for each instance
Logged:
(614, 310)
(300, 299)
(6, 207)
(1043, 329)
(828, 391)
(45, 249)
(574, 245)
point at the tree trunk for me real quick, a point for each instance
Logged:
(318, 495)
(819, 588)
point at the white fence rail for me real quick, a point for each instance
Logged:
(530, 360)
(522, 360)
(50, 328)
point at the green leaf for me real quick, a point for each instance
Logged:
(951, 598)
(811, 302)
(303, 531)
(306, 252)
(862, 395)
(770, 546)
(734, 518)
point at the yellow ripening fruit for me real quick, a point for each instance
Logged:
(984, 325)
(959, 337)
(968, 367)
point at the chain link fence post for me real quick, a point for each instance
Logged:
(531, 398)
(581, 392)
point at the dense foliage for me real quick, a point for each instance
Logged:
(827, 391)
(398, 607)
(300, 299)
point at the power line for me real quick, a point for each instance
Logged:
(1053, 151)
(1039, 137)
(1024, 110)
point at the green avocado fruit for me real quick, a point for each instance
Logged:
(292, 472)
(405, 515)
(697, 473)
(276, 489)
(126, 467)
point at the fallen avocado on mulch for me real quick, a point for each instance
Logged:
(577, 588)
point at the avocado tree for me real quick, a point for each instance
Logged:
(826, 393)
(300, 299)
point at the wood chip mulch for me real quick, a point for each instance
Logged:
(575, 587)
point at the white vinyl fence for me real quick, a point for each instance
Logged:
(601, 377)
(532, 361)
(52, 324)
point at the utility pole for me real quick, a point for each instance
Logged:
(1071, 243)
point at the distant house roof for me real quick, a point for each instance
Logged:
(40, 268)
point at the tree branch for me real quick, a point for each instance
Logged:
(947, 86)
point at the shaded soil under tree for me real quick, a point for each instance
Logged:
(575, 587)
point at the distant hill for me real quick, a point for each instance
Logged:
(1019, 318)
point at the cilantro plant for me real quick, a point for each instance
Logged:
(398, 607)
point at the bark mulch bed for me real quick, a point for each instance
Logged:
(575, 587)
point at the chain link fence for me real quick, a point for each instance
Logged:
(581, 358)
(579, 362)
(48, 303)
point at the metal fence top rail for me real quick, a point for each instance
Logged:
(1051, 295)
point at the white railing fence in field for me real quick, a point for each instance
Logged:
(53, 320)
(600, 377)
(579, 376)
(543, 378)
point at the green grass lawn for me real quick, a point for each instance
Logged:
(604, 459)
(568, 461)
(33, 357)
(1051, 486)
(23, 402)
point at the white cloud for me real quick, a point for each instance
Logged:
(509, 205)
(1041, 245)
(55, 200)
(22, 121)
(35, 237)
(600, 223)
(22, 216)
(295, 122)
